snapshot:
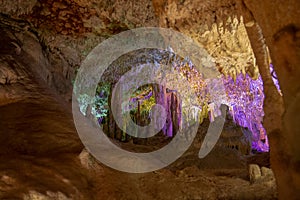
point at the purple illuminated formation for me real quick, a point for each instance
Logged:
(275, 79)
(244, 97)
(246, 105)
(245, 101)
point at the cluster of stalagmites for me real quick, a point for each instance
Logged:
(260, 174)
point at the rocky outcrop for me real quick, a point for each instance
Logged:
(280, 27)
(254, 172)
(38, 141)
(261, 175)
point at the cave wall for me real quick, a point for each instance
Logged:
(38, 141)
(68, 30)
(280, 24)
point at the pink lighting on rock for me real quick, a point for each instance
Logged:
(245, 101)
(274, 78)
(244, 98)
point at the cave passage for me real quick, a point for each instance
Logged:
(243, 97)
(254, 45)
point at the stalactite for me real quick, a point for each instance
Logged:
(160, 98)
(176, 112)
(169, 124)
(111, 121)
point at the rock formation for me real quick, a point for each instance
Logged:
(43, 44)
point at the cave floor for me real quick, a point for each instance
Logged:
(39, 152)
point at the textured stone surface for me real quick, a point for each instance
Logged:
(263, 176)
(280, 28)
(33, 195)
(266, 171)
(38, 141)
(60, 34)
(254, 173)
(215, 25)
(17, 7)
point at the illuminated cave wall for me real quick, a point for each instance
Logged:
(245, 101)
(244, 95)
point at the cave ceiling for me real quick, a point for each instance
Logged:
(69, 29)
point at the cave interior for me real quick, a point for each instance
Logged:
(253, 48)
